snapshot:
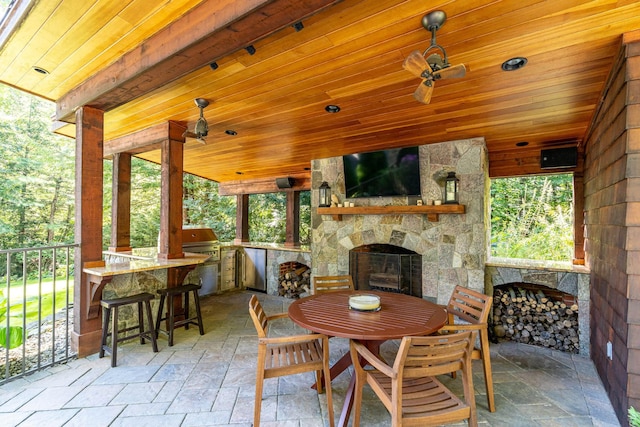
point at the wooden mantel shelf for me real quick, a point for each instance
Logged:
(431, 211)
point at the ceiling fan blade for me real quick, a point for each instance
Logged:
(423, 93)
(415, 63)
(455, 71)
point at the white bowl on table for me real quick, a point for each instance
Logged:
(364, 302)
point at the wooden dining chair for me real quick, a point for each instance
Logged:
(409, 388)
(469, 310)
(323, 284)
(280, 356)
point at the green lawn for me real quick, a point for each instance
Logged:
(34, 297)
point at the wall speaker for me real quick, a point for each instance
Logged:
(559, 158)
(285, 182)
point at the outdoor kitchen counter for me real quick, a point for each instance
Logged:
(269, 246)
(100, 273)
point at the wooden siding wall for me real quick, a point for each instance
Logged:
(612, 220)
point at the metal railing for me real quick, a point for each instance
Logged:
(36, 309)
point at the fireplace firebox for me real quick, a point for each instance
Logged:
(386, 268)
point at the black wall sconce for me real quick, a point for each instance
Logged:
(325, 195)
(451, 186)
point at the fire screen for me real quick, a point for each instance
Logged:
(386, 268)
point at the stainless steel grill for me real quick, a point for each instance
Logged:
(203, 241)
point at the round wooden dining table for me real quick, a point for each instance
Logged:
(399, 315)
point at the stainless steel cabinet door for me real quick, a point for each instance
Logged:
(253, 269)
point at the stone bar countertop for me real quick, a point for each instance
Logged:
(139, 263)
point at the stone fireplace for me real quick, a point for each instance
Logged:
(386, 268)
(452, 249)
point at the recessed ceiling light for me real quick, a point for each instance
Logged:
(231, 132)
(39, 70)
(522, 144)
(514, 63)
(332, 108)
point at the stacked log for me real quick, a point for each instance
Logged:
(530, 316)
(294, 282)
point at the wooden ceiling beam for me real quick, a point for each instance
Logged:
(262, 185)
(145, 140)
(208, 32)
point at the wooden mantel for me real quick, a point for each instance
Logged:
(431, 211)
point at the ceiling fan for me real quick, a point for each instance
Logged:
(201, 130)
(434, 67)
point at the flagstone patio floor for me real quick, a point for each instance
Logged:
(209, 380)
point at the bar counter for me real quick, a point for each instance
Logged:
(137, 263)
(100, 273)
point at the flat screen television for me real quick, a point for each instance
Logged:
(393, 172)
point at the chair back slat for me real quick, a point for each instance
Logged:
(258, 316)
(322, 284)
(469, 305)
(435, 355)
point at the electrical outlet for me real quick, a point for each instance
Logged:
(609, 350)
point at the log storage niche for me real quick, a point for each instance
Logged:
(294, 280)
(536, 315)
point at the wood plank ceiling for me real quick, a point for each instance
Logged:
(348, 54)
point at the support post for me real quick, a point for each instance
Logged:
(242, 218)
(292, 238)
(85, 338)
(578, 218)
(121, 203)
(170, 241)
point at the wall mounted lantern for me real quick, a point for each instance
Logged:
(325, 195)
(451, 185)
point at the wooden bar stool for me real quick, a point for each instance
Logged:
(110, 305)
(169, 293)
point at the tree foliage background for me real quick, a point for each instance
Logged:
(37, 189)
(532, 217)
(37, 169)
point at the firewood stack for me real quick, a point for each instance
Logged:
(529, 316)
(295, 282)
